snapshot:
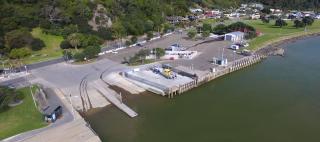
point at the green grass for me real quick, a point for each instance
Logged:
(147, 61)
(50, 51)
(21, 118)
(274, 34)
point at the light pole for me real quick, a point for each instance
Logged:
(234, 55)
(73, 111)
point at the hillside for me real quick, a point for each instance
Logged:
(98, 19)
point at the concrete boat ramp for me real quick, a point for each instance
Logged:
(113, 97)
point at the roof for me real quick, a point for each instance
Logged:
(237, 33)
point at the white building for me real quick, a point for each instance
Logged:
(196, 10)
(234, 37)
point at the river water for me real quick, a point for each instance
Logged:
(277, 100)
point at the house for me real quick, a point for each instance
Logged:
(234, 37)
(256, 6)
(255, 16)
(174, 19)
(196, 10)
(213, 14)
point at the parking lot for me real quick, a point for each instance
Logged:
(203, 61)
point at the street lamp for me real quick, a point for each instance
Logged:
(73, 111)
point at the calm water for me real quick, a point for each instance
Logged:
(275, 101)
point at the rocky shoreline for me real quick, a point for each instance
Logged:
(276, 48)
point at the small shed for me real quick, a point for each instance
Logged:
(234, 37)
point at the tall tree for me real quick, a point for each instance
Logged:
(280, 23)
(74, 40)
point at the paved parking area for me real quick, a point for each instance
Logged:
(207, 51)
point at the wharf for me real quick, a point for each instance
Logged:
(187, 78)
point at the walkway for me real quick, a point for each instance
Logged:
(111, 96)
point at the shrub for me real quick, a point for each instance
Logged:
(18, 53)
(192, 33)
(220, 29)
(37, 44)
(79, 56)
(65, 45)
(134, 39)
(149, 35)
(280, 23)
(128, 43)
(91, 52)
(105, 33)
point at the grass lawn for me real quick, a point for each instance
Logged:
(21, 118)
(50, 51)
(274, 34)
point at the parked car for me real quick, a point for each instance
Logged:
(234, 47)
(114, 52)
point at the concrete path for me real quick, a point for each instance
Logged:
(112, 97)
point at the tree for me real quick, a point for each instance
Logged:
(159, 52)
(298, 24)
(7, 95)
(37, 44)
(105, 33)
(168, 28)
(148, 26)
(265, 20)
(192, 33)
(220, 29)
(308, 21)
(18, 38)
(205, 34)
(266, 11)
(65, 45)
(206, 27)
(118, 30)
(134, 39)
(79, 56)
(91, 52)
(74, 40)
(149, 35)
(280, 23)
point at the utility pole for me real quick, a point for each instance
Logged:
(30, 87)
(73, 112)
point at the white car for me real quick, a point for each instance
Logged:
(114, 52)
(234, 47)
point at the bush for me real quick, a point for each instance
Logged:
(192, 33)
(298, 24)
(206, 27)
(149, 35)
(220, 29)
(91, 52)
(205, 34)
(37, 44)
(67, 55)
(134, 39)
(105, 33)
(79, 56)
(18, 53)
(280, 23)
(65, 45)
(128, 43)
